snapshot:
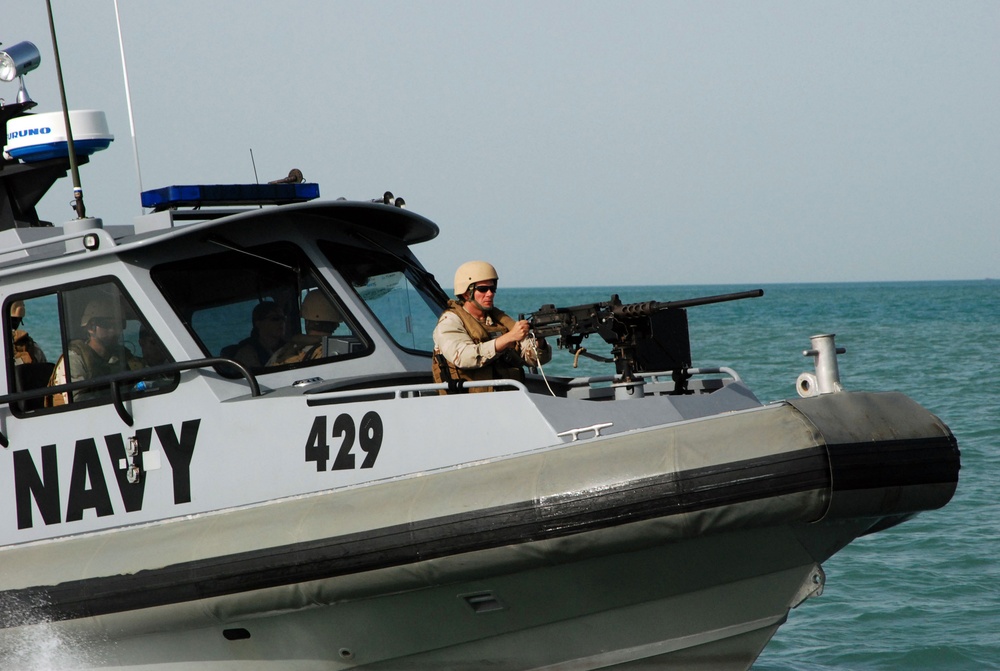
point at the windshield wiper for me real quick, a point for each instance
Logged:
(229, 244)
(421, 278)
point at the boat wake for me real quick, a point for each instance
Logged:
(44, 646)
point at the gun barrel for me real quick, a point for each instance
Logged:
(647, 308)
(550, 320)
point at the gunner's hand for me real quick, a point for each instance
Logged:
(520, 330)
(516, 334)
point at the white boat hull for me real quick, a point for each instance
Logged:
(672, 553)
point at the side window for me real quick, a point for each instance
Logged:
(397, 303)
(75, 334)
(34, 342)
(405, 299)
(34, 329)
(262, 307)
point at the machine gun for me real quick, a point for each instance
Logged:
(644, 337)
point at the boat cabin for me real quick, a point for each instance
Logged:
(180, 293)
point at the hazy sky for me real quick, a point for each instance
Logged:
(571, 143)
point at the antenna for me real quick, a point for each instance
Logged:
(255, 178)
(254, 164)
(128, 100)
(81, 211)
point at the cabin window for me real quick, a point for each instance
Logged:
(76, 333)
(404, 298)
(263, 307)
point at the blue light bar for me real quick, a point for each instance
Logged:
(216, 195)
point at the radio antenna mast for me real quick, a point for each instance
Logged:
(81, 211)
(128, 99)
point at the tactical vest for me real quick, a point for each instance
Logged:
(300, 348)
(93, 366)
(506, 364)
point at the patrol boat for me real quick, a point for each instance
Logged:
(198, 512)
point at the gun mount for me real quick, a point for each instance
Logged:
(644, 337)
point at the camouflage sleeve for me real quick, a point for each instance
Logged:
(454, 342)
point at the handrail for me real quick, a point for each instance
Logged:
(115, 381)
(398, 391)
(714, 370)
(655, 375)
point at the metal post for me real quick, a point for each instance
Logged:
(81, 211)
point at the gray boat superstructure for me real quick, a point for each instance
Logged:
(203, 513)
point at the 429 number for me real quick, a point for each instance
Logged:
(368, 435)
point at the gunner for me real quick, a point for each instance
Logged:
(101, 352)
(473, 340)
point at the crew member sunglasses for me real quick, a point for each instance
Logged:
(109, 323)
(483, 288)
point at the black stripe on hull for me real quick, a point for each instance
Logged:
(895, 463)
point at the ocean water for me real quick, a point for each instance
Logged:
(925, 594)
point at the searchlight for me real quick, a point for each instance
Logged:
(17, 61)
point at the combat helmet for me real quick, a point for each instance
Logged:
(316, 307)
(96, 309)
(471, 272)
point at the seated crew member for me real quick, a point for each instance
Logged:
(100, 353)
(26, 350)
(266, 335)
(473, 340)
(153, 351)
(321, 320)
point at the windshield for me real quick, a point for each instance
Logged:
(404, 298)
(264, 307)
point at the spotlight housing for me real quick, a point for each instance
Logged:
(17, 61)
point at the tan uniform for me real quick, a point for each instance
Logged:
(302, 347)
(86, 364)
(465, 348)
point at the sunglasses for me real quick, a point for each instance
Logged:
(482, 289)
(108, 323)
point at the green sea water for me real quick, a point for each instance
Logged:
(925, 594)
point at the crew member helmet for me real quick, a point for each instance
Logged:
(17, 309)
(96, 309)
(471, 272)
(316, 307)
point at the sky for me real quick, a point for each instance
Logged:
(571, 143)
